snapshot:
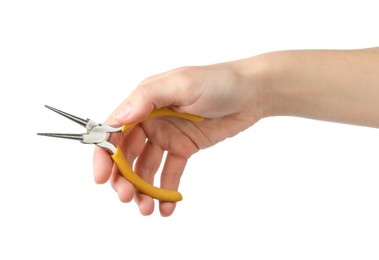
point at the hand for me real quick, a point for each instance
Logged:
(220, 93)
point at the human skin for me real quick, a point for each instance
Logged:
(331, 85)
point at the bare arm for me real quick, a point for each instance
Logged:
(339, 86)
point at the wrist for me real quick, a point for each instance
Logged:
(288, 82)
(256, 76)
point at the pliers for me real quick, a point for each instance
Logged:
(100, 134)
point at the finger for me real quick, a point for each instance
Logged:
(132, 144)
(149, 161)
(102, 162)
(170, 179)
(102, 165)
(145, 203)
(124, 189)
(146, 166)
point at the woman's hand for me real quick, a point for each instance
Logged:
(221, 93)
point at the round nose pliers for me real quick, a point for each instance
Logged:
(100, 134)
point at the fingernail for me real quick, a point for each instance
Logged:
(124, 113)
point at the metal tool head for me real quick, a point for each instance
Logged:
(78, 120)
(98, 134)
(78, 137)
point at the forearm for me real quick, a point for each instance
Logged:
(338, 86)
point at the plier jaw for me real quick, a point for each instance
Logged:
(98, 134)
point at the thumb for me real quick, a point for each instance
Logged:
(142, 101)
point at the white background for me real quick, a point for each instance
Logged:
(287, 188)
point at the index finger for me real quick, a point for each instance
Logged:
(102, 165)
(102, 162)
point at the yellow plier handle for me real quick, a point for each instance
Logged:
(128, 173)
(141, 185)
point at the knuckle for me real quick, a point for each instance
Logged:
(185, 77)
(143, 89)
